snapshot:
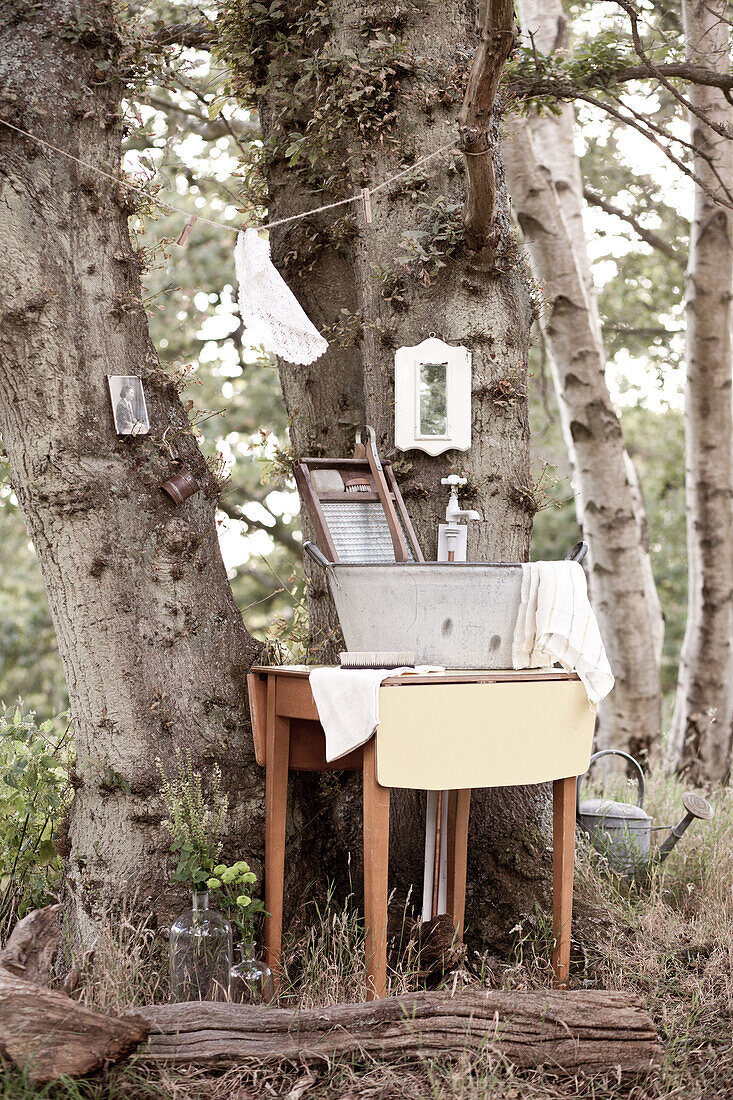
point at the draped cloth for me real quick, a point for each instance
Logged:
(267, 303)
(556, 623)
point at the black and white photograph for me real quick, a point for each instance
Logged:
(128, 404)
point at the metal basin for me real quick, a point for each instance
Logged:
(460, 615)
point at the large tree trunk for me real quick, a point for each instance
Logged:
(481, 300)
(153, 645)
(544, 180)
(702, 725)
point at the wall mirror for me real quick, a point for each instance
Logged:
(433, 397)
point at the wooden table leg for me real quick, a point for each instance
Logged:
(376, 861)
(459, 806)
(563, 861)
(276, 805)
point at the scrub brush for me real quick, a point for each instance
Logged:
(377, 660)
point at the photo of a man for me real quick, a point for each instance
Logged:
(128, 404)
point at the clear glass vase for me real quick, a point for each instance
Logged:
(200, 953)
(250, 980)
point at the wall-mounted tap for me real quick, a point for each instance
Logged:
(452, 535)
(454, 512)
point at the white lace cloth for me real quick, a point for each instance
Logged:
(267, 303)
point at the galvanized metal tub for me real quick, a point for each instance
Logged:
(458, 614)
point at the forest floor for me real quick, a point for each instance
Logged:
(670, 941)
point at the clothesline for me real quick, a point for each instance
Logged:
(163, 203)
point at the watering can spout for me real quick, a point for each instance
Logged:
(695, 806)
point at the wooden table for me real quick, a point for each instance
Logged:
(456, 729)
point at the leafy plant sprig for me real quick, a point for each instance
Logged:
(235, 883)
(194, 821)
(34, 797)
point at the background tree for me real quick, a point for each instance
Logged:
(702, 729)
(540, 153)
(348, 98)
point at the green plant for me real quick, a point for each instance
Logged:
(194, 821)
(34, 795)
(235, 900)
(427, 250)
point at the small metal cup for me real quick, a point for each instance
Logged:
(180, 487)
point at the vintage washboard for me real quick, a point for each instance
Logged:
(356, 508)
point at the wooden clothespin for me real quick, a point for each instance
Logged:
(367, 205)
(187, 231)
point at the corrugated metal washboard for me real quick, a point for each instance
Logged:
(356, 508)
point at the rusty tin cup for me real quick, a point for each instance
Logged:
(180, 487)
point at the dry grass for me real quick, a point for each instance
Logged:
(674, 947)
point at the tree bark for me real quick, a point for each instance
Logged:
(152, 643)
(702, 726)
(573, 1032)
(545, 183)
(32, 945)
(407, 105)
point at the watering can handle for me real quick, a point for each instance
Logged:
(612, 752)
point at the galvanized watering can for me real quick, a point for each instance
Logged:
(622, 830)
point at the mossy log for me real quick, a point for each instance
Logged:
(570, 1032)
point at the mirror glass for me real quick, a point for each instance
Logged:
(432, 394)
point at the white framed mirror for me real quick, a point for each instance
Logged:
(433, 397)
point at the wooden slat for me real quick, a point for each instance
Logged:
(309, 496)
(451, 676)
(404, 515)
(257, 691)
(399, 544)
(294, 699)
(308, 750)
(332, 497)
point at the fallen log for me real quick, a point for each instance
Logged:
(569, 1031)
(49, 1035)
(46, 1033)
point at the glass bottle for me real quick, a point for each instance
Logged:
(200, 953)
(250, 980)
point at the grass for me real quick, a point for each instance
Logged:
(671, 941)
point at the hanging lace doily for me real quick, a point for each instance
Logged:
(266, 301)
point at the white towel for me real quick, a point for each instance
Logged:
(556, 623)
(347, 700)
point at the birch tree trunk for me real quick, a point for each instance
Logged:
(389, 85)
(152, 643)
(702, 724)
(545, 183)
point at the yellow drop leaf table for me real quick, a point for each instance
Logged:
(449, 731)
